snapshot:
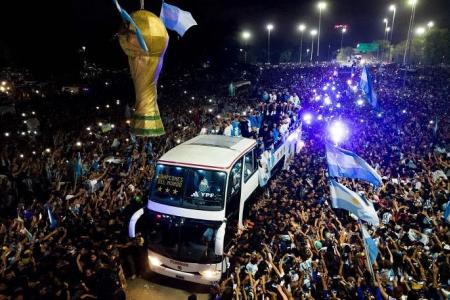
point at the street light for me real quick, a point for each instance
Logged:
(321, 5)
(301, 28)
(430, 24)
(394, 10)
(344, 30)
(246, 35)
(313, 34)
(269, 28)
(420, 31)
(413, 4)
(386, 23)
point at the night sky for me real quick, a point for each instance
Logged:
(46, 35)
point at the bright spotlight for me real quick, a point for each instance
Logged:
(321, 5)
(338, 131)
(392, 7)
(360, 102)
(430, 24)
(307, 117)
(327, 100)
(319, 117)
(246, 35)
(269, 27)
(420, 30)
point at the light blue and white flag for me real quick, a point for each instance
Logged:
(127, 18)
(344, 163)
(370, 245)
(342, 197)
(366, 85)
(78, 168)
(176, 19)
(435, 127)
(51, 219)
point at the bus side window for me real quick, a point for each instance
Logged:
(235, 179)
(249, 165)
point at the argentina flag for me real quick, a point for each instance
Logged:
(366, 86)
(344, 163)
(342, 197)
(447, 212)
(176, 19)
(127, 18)
(370, 245)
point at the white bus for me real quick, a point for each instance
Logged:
(197, 201)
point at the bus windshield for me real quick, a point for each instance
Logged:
(183, 239)
(189, 188)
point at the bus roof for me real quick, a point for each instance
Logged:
(208, 151)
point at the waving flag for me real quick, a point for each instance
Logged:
(176, 19)
(366, 85)
(447, 212)
(370, 245)
(78, 168)
(342, 197)
(435, 127)
(344, 163)
(127, 18)
(51, 219)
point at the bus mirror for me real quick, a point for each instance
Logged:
(220, 235)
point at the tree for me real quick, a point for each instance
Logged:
(437, 46)
(345, 54)
(285, 56)
(432, 48)
(415, 54)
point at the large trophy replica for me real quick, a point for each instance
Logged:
(145, 67)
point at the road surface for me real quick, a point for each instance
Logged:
(153, 287)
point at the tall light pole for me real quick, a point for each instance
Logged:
(394, 10)
(245, 36)
(343, 30)
(386, 23)
(411, 24)
(301, 28)
(321, 6)
(313, 34)
(420, 31)
(269, 28)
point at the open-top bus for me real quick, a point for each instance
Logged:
(200, 186)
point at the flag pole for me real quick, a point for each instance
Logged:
(365, 250)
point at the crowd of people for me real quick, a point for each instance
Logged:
(296, 246)
(68, 189)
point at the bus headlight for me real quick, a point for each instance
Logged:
(154, 261)
(210, 273)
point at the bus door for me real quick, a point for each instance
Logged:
(250, 182)
(234, 191)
